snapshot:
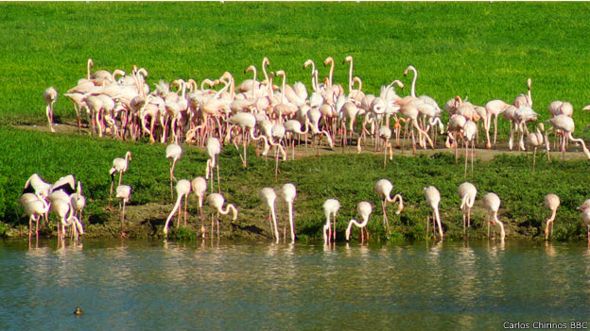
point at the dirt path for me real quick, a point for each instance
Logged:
(574, 152)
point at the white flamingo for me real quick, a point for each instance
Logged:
(491, 202)
(289, 194)
(433, 199)
(183, 189)
(331, 207)
(269, 196)
(552, 202)
(383, 188)
(216, 201)
(467, 194)
(364, 210)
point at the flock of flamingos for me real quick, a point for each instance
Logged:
(275, 118)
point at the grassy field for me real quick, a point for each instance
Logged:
(481, 50)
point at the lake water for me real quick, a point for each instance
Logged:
(136, 285)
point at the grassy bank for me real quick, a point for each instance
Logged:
(348, 177)
(480, 50)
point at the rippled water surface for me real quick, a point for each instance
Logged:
(152, 285)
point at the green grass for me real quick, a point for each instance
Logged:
(348, 177)
(481, 50)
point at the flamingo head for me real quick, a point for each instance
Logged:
(328, 60)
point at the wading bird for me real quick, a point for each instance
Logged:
(289, 194)
(173, 153)
(491, 201)
(269, 196)
(383, 188)
(552, 202)
(183, 189)
(50, 96)
(213, 150)
(199, 188)
(433, 199)
(120, 165)
(216, 201)
(467, 194)
(331, 207)
(123, 192)
(364, 210)
(35, 206)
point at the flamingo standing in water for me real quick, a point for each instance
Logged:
(467, 194)
(213, 150)
(50, 96)
(123, 192)
(383, 189)
(331, 207)
(173, 152)
(216, 201)
(78, 202)
(199, 187)
(269, 196)
(35, 206)
(491, 202)
(289, 194)
(433, 199)
(364, 209)
(552, 202)
(183, 189)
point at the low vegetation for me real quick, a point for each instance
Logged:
(482, 51)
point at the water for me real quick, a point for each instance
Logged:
(134, 285)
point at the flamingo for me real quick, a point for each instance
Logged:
(364, 209)
(35, 184)
(467, 194)
(120, 165)
(331, 207)
(199, 187)
(183, 189)
(35, 206)
(536, 139)
(585, 209)
(433, 199)
(213, 150)
(383, 189)
(173, 152)
(469, 133)
(524, 99)
(247, 122)
(552, 202)
(50, 96)
(491, 202)
(78, 202)
(566, 124)
(123, 192)
(269, 196)
(65, 212)
(385, 135)
(493, 108)
(289, 194)
(216, 201)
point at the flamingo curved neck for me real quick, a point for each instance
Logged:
(350, 82)
(229, 208)
(264, 64)
(413, 89)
